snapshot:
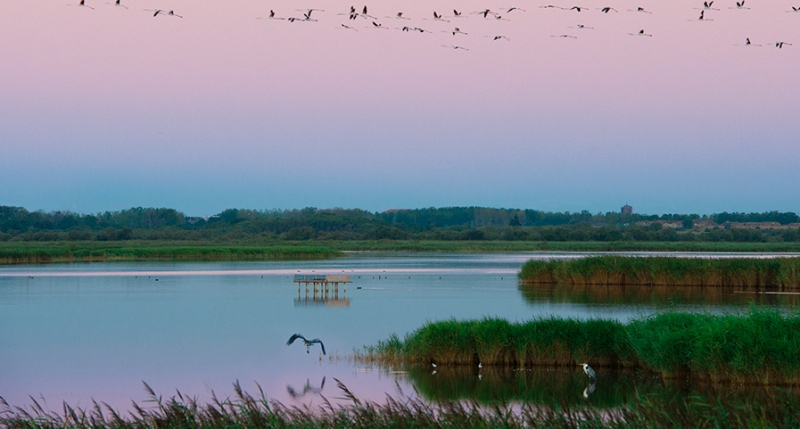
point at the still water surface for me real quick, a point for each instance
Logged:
(73, 332)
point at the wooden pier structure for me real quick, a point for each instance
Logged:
(324, 289)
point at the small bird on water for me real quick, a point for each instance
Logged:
(308, 343)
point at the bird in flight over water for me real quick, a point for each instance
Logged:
(82, 3)
(485, 12)
(308, 343)
(117, 3)
(640, 33)
(163, 12)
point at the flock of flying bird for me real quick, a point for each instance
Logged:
(502, 14)
(371, 22)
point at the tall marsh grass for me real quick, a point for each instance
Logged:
(760, 346)
(665, 271)
(246, 411)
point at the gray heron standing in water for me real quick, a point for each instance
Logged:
(308, 343)
(589, 371)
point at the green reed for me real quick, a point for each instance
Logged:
(665, 271)
(100, 251)
(494, 341)
(401, 411)
(760, 346)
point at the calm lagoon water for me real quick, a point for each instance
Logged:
(73, 332)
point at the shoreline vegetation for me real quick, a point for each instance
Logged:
(780, 409)
(758, 347)
(771, 274)
(131, 251)
(529, 229)
(74, 251)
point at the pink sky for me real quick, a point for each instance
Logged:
(110, 108)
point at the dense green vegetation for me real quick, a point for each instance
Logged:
(758, 347)
(665, 271)
(431, 224)
(779, 409)
(103, 251)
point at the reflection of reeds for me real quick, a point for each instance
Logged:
(657, 295)
(93, 251)
(538, 385)
(775, 273)
(758, 347)
(246, 411)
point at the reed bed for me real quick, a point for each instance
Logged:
(493, 341)
(758, 347)
(246, 411)
(775, 273)
(146, 250)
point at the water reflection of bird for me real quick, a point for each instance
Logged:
(589, 371)
(589, 389)
(308, 343)
(306, 389)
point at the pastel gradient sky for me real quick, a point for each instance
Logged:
(109, 108)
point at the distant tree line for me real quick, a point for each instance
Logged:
(448, 223)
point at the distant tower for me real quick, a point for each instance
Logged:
(626, 209)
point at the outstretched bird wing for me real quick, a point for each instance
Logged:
(316, 340)
(294, 337)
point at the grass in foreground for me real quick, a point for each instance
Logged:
(105, 251)
(246, 411)
(758, 347)
(665, 271)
